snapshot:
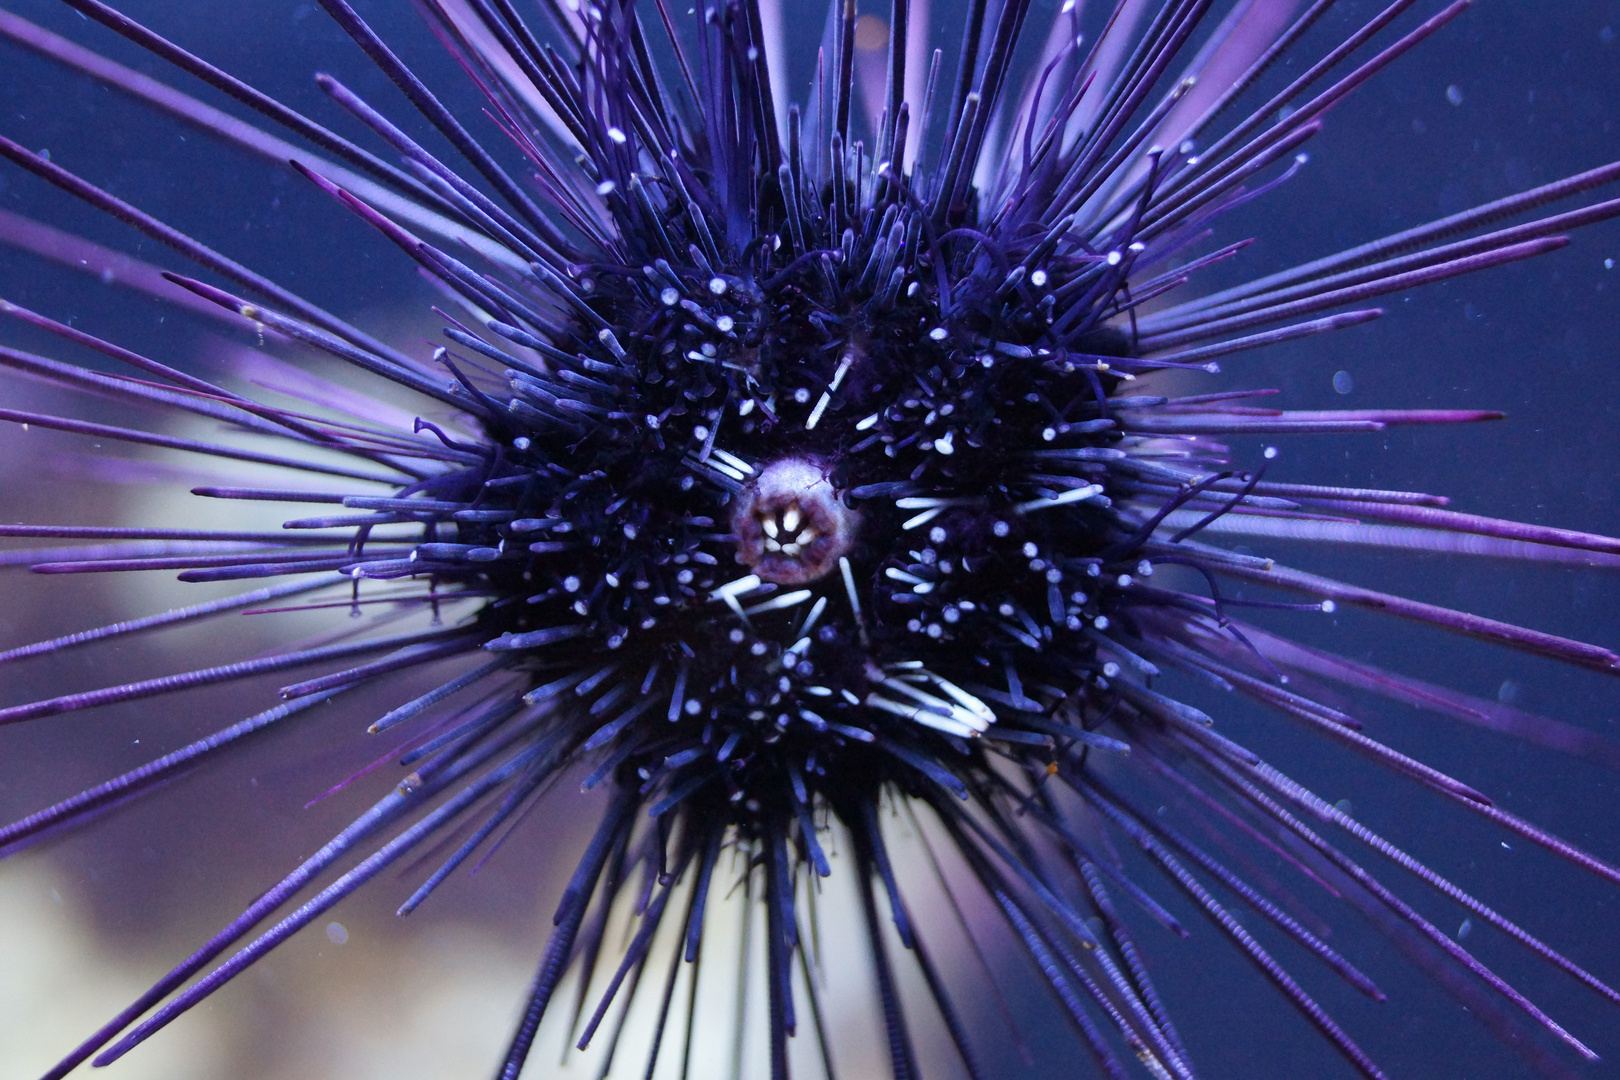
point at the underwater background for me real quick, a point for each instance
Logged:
(1512, 95)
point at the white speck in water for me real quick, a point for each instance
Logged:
(1454, 95)
(336, 934)
(1342, 382)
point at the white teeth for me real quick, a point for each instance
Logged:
(784, 534)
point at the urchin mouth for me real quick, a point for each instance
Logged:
(791, 526)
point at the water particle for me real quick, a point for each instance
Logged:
(1454, 95)
(871, 33)
(1342, 382)
(336, 934)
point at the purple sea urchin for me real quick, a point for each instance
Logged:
(709, 310)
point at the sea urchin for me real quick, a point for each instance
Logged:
(789, 469)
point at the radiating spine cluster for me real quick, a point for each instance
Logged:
(777, 480)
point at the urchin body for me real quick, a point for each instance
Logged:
(902, 485)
